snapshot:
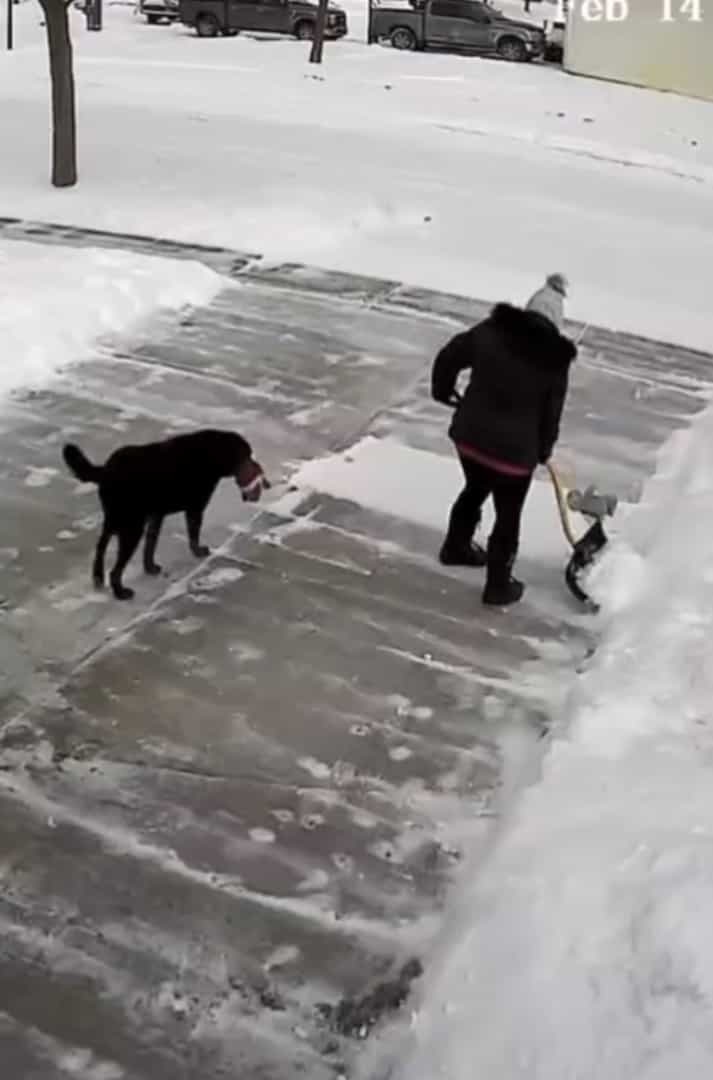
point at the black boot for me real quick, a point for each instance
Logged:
(462, 554)
(459, 547)
(501, 588)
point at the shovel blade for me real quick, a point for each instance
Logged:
(583, 554)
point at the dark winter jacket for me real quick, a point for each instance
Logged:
(512, 407)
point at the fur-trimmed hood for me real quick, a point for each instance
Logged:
(535, 335)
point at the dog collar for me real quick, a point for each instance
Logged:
(252, 485)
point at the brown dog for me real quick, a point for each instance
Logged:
(140, 485)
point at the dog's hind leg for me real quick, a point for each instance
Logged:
(194, 522)
(98, 566)
(152, 534)
(129, 539)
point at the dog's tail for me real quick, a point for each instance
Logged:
(78, 463)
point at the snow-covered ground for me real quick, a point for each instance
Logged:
(457, 173)
(582, 946)
(578, 946)
(57, 303)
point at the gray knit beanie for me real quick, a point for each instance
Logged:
(549, 300)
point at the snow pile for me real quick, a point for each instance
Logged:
(56, 302)
(582, 947)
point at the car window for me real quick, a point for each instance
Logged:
(449, 9)
(459, 9)
(479, 13)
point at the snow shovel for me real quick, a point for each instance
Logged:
(594, 506)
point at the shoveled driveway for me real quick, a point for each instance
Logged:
(243, 795)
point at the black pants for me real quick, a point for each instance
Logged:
(509, 494)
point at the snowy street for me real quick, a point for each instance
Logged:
(232, 809)
(455, 173)
(252, 784)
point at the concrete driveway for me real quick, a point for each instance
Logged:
(239, 799)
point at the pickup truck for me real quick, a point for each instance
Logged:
(228, 17)
(467, 26)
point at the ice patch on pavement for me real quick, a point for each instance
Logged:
(222, 575)
(191, 624)
(315, 881)
(400, 753)
(318, 769)
(83, 1065)
(73, 1062)
(283, 954)
(57, 302)
(262, 836)
(40, 477)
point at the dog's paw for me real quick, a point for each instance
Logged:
(201, 551)
(153, 569)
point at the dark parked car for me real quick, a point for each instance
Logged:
(468, 26)
(158, 11)
(296, 17)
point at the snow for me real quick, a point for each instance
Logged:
(578, 944)
(456, 173)
(56, 303)
(386, 476)
(581, 946)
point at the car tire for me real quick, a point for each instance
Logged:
(511, 48)
(207, 25)
(152, 20)
(304, 30)
(403, 38)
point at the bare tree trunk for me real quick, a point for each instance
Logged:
(9, 26)
(315, 56)
(64, 126)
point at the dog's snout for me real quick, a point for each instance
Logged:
(251, 480)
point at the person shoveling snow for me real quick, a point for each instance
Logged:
(504, 426)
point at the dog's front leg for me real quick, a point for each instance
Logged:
(194, 522)
(153, 532)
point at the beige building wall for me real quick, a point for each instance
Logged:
(642, 49)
